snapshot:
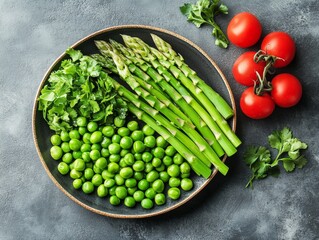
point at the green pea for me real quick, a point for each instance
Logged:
(124, 152)
(74, 134)
(76, 154)
(114, 200)
(108, 131)
(126, 142)
(160, 199)
(55, 140)
(96, 169)
(63, 168)
(150, 141)
(101, 163)
(79, 164)
(159, 152)
(158, 185)
(161, 142)
(138, 146)
(107, 175)
(102, 191)
(129, 202)
(138, 166)
(131, 190)
(138, 156)
(71, 165)
(88, 173)
(152, 176)
(173, 170)
(75, 174)
(174, 182)
(178, 159)
(150, 193)
(147, 156)
(137, 135)
(119, 180)
(92, 126)
(143, 184)
(82, 130)
(185, 168)
(174, 193)
(122, 163)
(187, 184)
(112, 190)
(86, 137)
(156, 162)
(105, 152)
(138, 175)
(75, 144)
(148, 131)
(86, 157)
(116, 138)
(97, 180)
(65, 147)
(130, 182)
(81, 121)
(114, 148)
(132, 125)
(185, 175)
(106, 142)
(126, 172)
(113, 167)
(114, 158)
(67, 158)
(138, 195)
(170, 151)
(121, 192)
(161, 168)
(167, 160)
(56, 152)
(147, 203)
(109, 183)
(86, 147)
(65, 136)
(95, 154)
(96, 146)
(123, 131)
(119, 122)
(88, 165)
(129, 159)
(148, 167)
(164, 176)
(77, 183)
(96, 137)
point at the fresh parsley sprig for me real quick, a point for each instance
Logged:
(289, 150)
(204, 12)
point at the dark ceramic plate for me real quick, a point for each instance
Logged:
(194, 57)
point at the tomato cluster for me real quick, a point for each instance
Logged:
(251, 68)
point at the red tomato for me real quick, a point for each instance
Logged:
(281, 45)
(245, 68)
(286, 90)
(254, 106)
(244, 30)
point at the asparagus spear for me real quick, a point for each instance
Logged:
(222, 106)
(198, 166)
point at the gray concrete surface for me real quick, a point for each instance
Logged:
(34, 33)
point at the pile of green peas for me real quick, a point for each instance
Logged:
(126, 162)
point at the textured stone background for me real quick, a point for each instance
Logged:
(34, 33)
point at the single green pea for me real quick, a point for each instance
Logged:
(75, 144)
(159, 152)
(147, 156)
(187, 184)
(147, 203)
(160, 199)
(114, 158)
(170, 151)
(129, 159)
(74, 134)
(88, 173)
(148, 167)
(174, 182)
(150, 141)
(124, 152)
(126, 172)
(108, 131)
(92, 126)
(161, 142)
(119, 122)
(147, 130)
(102, 191)
(114, 200)
(116, 138)
(96, 137)
(109, 183)
(138, 156)
(173, 170)
(79, 164)
(71, 165)
(81, 121)
(164, 176)
(174, 193)
(158, 185)
(121, 192)
(161, 168)
(123, 131)
(129, 202)
(122, 163)
(86, 137)
(77, 183)
(105, 152)
(119, 180)
(101, 163)
(82, 130)
(138, 175)
(138, 146)
(86, 157)
(132, 125)
(96, 169)
(178, 159)
(138, 195)
(167, 160)
(106, 142)
(114, 148)
(95, 154)
(137, 135)
(112, 190)
(56, 152)
(96, 146)
(156, 162)
(65, 136)
(63, 168)
(56, 140)
(131, 190)
(76, 154)
(130, 182)
(75, 174)
(86, 147)
(107, 175)
(65, 147)
(113, 167)
(152, 176)
(185, 168)
(143, 184)
(97, 180)
(138, 166)
(150, 193)
(185, 175)
(67, 158)
(126, 142)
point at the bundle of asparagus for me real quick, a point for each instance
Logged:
(173, 100)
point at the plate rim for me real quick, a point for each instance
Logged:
(86, 38)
